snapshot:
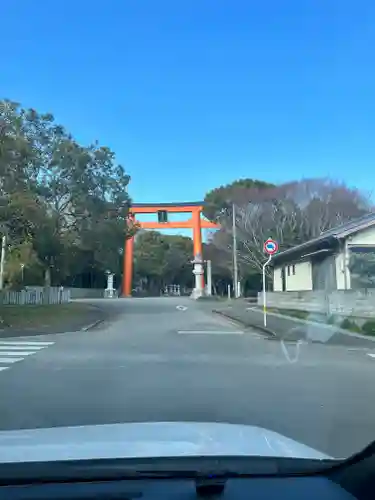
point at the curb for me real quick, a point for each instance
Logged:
(335, 331)
(91, 325)
(262, 329)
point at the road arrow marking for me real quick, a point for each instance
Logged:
(181, 308)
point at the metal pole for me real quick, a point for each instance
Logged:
(209, 278)
(2, 261)
(264, 291)
(235, 266)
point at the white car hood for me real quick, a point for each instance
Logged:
(144, 440)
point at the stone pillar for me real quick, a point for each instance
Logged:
(198, 272)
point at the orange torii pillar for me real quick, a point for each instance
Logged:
(195, 223)
(128, 266)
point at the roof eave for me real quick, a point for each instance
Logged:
(297, 252)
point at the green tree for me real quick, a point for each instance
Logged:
(161, 259)
(290, 213)
(70, 201)
(218, 201)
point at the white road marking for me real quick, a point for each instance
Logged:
(210, 332)
(20, 347)
(13, 351)
(371, 355)
(181, 308)
(25, 343)
(10, 360)
(289, 358)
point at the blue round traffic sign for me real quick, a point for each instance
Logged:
(271, 246)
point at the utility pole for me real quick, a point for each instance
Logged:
(2, 261)
(235, 266)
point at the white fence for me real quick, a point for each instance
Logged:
(76, 293)
(41, 296)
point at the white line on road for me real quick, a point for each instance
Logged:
(24, 342)
(3, 368)
(12, 347)
(16, 353)
(210, 332)
(371, 355)
(10, 360)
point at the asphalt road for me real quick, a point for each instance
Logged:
(157, 362)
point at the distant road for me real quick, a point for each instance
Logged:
(157, 362)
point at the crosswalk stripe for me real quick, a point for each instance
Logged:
(20, 347)
(16, 353)
(13, 351)
(10, 360)
(24, 343)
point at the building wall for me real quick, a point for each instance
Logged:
(297, 277)
(277, 279)
(323, 272)
(342, 271)
(365, 237)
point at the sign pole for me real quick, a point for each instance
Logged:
(271, 247)
(2, 261)
(264, 291)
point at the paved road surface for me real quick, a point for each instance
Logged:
(156, 362)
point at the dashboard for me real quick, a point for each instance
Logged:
(307, 488)
(168, 479)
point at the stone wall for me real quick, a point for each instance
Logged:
(359, 303)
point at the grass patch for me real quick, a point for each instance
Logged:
(368, 328)
(41, 316)
(348, 324)
(290, 312)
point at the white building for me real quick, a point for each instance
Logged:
(336, 260)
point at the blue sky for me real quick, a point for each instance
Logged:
(194, 94)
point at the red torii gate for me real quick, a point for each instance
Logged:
(196, 223)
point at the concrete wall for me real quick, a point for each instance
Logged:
(86, 293)
(359, 303)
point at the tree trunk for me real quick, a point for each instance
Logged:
(47, 277)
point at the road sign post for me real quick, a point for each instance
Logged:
(270, 247)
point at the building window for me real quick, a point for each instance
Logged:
(288, 270)
(294, 269)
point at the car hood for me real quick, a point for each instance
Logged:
(145, 440)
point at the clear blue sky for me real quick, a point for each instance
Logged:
(192, 94)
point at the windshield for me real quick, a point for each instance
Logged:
(187, 228)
